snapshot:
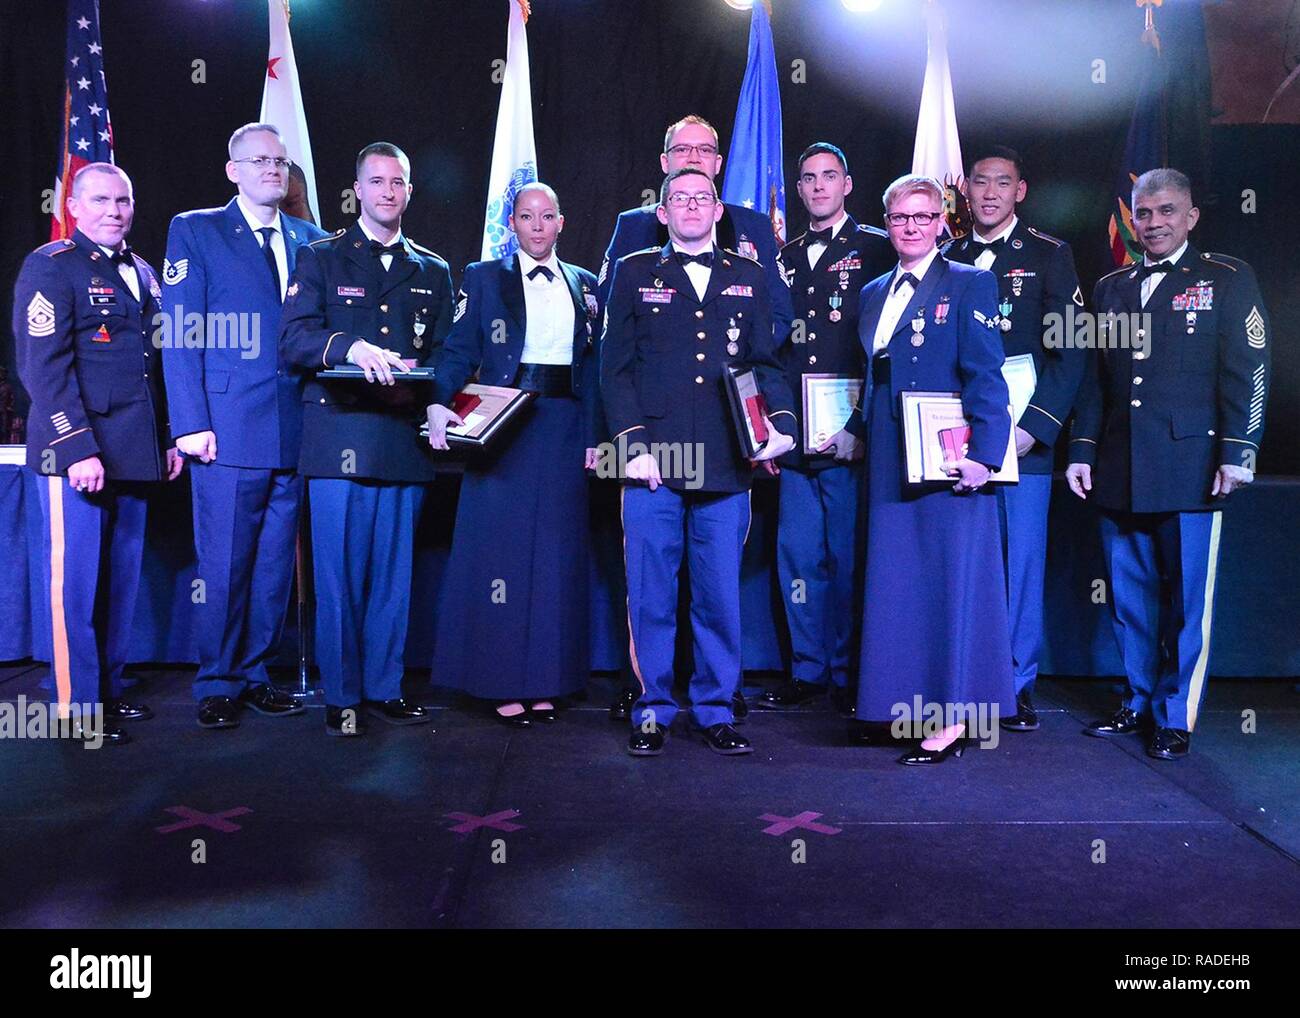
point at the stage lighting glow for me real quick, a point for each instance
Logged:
(740, 5)
(861, 6)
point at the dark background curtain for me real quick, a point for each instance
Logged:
(609, 75)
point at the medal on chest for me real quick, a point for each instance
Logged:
(733, 339)
(1004, 310)
(835, 300)
(918, 328)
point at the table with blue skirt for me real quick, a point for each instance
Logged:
(1255, 631)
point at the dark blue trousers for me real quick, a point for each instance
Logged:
(363, 541)
(1022, 511)
(1162, 569)
(817, 555)
(94, 545)
(245, 533)
(708, 530)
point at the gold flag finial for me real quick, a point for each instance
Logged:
(1149, 34)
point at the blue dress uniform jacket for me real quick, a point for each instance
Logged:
(86, 356)
(824, 338)
(353, 429)
(243, 394)
(743, 230)
(489, 327)
(663, 353)
(1036, 277)
(1159, 414)
(960, 352)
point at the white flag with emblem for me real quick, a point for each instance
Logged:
(937, 152)
(514, 153)
(282, 98)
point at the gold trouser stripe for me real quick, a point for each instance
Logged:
(59, 628)
(1207, 613)
(631, 633)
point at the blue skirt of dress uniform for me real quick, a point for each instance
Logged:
(934, 604)
(513, 616)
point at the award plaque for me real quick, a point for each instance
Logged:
(416, 373)
(828, 402)
(1022, 379)
(935, 430)
(485, 409)
(748, 408)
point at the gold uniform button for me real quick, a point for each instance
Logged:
(1141, 333)
(322, 402)
(811, 336)
(699, 356)
(1136, 402)
(1137, 379)
(654, 310)
(812, 312)
(700, 313)
(384, 329)
(699, 335)
(812, 359)
(1210, 432)
(383, 307)
(1139, 356)
(699, 379)
(348, 301)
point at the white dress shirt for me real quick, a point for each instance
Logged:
(818, 248)
(1156, 278)
(986, 257)
(897, 300)
(127, 271)
(384, 259)
(549, 313)
(277, 240)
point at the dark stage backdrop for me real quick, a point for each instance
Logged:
(607, 76)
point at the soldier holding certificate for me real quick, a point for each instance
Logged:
(678, 317)
(1036, 279)
(816, 535)
(370, 298)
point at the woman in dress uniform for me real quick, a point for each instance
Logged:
(512, 624)
(935, 631)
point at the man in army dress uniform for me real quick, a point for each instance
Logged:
(97, 435)
(1036, 278)
(1169, 421)
(370, 298)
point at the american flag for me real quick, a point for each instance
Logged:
(87, 133)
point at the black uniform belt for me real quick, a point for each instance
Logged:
(880, 369)
(546, 379)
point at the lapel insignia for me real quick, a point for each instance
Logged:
(293, 289)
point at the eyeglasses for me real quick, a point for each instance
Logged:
(919, 218)
(266, 162)
(682, 151)
(682, 200)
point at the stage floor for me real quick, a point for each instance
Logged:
(376, 832)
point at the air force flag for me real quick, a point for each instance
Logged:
(514, 154)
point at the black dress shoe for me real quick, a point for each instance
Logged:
(739, 708)
(726, 740)
(218, 712)
(1025, 719)
(1122, 722)
(873, 733)
(91, 737)
(266, 699)
(398, 712)
(621, 708)
(1169, 744)
(647, 743)
(120, 710)
(918, 756)
(790, 695)
(344, 721)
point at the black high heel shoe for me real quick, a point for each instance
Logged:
(547, 714)
(520, 720)
(917, 755)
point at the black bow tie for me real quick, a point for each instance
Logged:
(124, 257)
(906, 277)
(1151, 270)
(377, 249)
(820, 236)
(993, 245)
(541, 270)
(705, 258)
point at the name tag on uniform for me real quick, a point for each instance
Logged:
(352, 291)
(735, 290)
(101, 296)
(845, 265)
(1195, 298)
(656, 295)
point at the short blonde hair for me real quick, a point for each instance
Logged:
(684, 122)
(914, 183)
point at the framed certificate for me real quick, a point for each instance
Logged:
(1022, 378)
(935, 429)
(748, 408)
(828, 402)
(485, 409)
